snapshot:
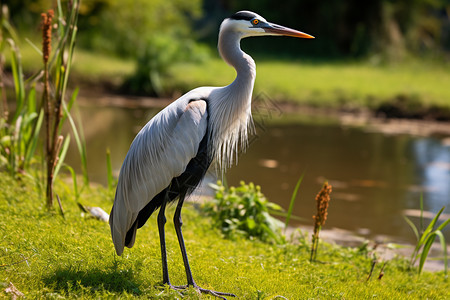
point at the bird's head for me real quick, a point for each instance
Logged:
(247, 24)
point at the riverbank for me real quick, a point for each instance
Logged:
(289, 111)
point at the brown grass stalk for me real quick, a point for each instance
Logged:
(47, 103)
(322, 201)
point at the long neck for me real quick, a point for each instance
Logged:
(230, 50)
(231, 113)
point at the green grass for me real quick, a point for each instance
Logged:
(87, 66)
(331, 84)
(96, 66)
(44, 255)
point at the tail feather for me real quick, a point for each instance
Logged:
(130, 238)
(124, 223)
(116, 234)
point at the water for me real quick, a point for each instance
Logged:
(375, 177)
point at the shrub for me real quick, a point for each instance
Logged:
(244, 211)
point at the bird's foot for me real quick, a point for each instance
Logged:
(220, 295)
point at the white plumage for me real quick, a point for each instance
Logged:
(160, 152)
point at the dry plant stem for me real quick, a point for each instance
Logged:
(322, 200)
(382, 271)
(315, 243)
(60, 206)
(374, 262)
(50, 156)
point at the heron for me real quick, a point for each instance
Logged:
(171, 154)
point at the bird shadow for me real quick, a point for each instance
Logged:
(112, 280)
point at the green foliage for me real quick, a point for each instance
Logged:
(46, 256)
(426, 238)
(244, 211)
(155, 59)
(19, 133)
(343, 28)
(156, 33)
(124, 27)
(386, 28)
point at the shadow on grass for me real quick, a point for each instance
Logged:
(111, 280)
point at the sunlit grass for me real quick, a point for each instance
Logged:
(46, 256)
(99, 66)
(87, 65)
(331, 84)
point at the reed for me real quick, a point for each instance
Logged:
(55, 107)
(20, 130)
(50, 144)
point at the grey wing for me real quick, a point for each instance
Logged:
(160, 152)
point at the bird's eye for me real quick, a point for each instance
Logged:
(255, 22)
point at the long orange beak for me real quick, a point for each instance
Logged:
(281, 30)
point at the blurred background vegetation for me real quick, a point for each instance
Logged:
(156, 34)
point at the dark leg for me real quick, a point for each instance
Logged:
(190, 280)
(178, 222)
(162, 240)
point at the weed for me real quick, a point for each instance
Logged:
(426, 238)
(244, 211)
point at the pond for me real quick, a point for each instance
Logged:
(376, 178)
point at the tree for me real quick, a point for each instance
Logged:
(358, 28)
(124, 27)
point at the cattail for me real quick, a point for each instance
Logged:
(46, 34)
(322, 200)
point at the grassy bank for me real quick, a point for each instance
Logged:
(44, 255)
